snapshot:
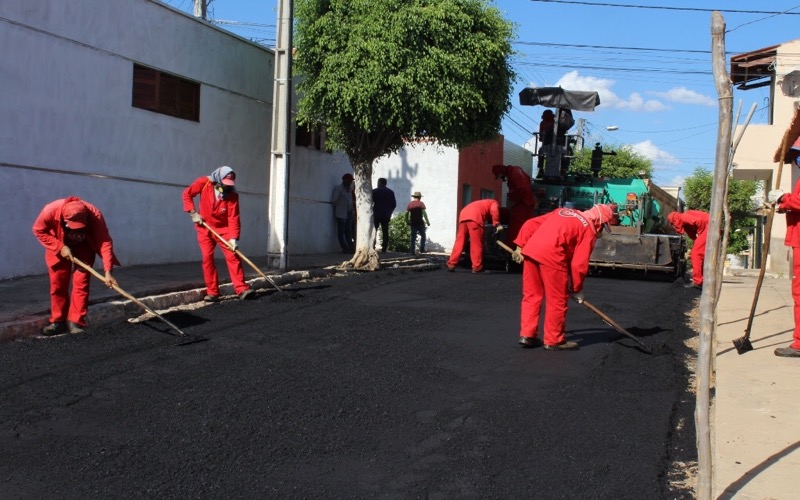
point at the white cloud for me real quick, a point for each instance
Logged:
(654, 154)
(635, 102)
(685, 96)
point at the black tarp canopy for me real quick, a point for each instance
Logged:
(556, 97)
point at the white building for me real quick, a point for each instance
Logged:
(86, 112)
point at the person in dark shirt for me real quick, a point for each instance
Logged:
(383, 205)
(417, 219)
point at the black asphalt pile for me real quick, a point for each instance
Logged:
(390, 384)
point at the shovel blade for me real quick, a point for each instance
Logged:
(742, 345)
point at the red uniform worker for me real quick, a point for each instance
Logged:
(694, 224)
(522, 204)
(789, 203)
(559, 253)
(219, 209)
(470, 223)
(72, 227)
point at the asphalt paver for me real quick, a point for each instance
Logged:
(396, 384)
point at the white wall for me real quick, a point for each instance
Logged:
(69, 128)
(433, 171)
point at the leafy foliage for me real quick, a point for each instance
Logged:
(697, 193)
(379, 73)
(625, 164)
(399, 233)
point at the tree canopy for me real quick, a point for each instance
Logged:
(697, 193)
(625, 164)
(377, 74)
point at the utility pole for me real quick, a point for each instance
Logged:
(201, 9)
(579, 135)
(281, 140)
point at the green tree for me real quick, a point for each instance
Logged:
(626, 163)
(378, 74)
(697, 193)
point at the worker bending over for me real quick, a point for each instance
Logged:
(694, 224)
(470, 225)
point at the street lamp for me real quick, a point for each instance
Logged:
(612, 128)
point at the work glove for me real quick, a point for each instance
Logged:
(65, 252)
(775, 196)
(234, 244)
(578, 297)
(499, 229)
(517, 257)
(196, 218)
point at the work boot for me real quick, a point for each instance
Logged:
(210, 298)
(694, 285)
(74, 328)
(530, 342)
(451, 269)
(567, 345)
(246, 294)
(787, 352)
(56, 328)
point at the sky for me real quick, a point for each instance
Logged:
(649, 60)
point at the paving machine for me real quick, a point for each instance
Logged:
(643, 241)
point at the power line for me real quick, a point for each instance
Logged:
(656, 7)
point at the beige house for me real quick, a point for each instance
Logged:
(758, 156)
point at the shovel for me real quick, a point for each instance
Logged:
(134, 299)
(241, 256)
(610, 322)
(742, 344)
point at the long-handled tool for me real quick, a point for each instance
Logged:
(610, 322)
(742, 344)
(241, 255)
(127, 295)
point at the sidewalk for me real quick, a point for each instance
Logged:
(756, 436)
(25, 302)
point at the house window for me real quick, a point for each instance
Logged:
(167, 94)
(310, 138)
(487, 194)
(466, 195)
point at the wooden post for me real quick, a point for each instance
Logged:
(713, 267)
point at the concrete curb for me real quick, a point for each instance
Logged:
(113, 310)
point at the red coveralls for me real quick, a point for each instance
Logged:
(49, 229)
(470, 222)
(790, 203)
(522, 204)
(223, 217)
(560, 250)
(694, 224)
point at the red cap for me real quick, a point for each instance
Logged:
(346, 177)
(498, 170)
(75, 214)
(229, 180)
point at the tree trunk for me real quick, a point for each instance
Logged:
(365, 257)
(703, 415)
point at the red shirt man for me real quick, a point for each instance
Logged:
(789, 203)
(556, 263)
(72, 227)
(219, 209)
(694, 224)
(470, 224)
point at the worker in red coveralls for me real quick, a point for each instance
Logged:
(219, 209)
(694, 224)
(72, 227)
(555, 263)
(521, 203)
(470, 224)
(789, 203)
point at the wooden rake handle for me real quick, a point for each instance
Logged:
(125, 294)
(241, 256)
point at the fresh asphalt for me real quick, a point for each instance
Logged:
(400, 383)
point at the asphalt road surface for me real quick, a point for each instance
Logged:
(393, 384)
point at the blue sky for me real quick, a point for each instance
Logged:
(650, 60)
